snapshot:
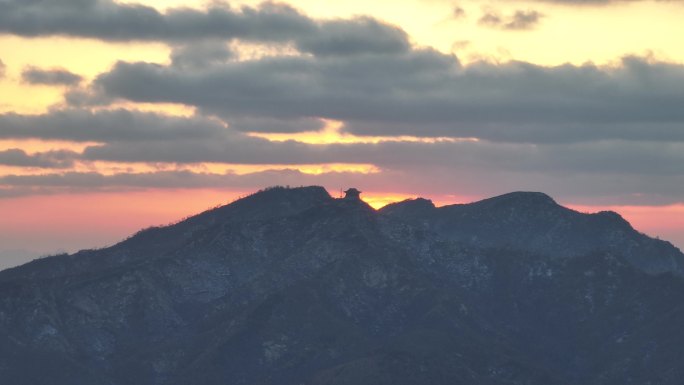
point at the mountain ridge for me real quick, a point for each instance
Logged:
(292, 286)
(534, 221)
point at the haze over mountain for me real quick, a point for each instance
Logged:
(292, 286)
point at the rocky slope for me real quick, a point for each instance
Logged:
(291, 286)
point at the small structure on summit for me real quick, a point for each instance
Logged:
(352, 194)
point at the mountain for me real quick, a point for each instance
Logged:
(534, 222)
(291, 286)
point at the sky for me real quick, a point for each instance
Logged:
(119, 115)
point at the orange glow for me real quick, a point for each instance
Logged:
(89, 220)
(332, 133)
(112, 168)
(666, 222)
(23, 99)
(171, 109)
(77, 221)
(68, 222)
(19, 170)
(254, 51)
(311, 169)
(379, 200)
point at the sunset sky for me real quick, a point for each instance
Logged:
(118, 115)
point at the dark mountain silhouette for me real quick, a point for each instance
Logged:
(532, 221)
(291, 286)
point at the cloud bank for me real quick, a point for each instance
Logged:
(425, 93)
(50, 159)
(267, 23)
(51, 77)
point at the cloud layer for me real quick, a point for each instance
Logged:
(267, 23)
(80, 125)
(51, 77)
(571, 130)
(628, 171)
(425, 93)
(50, 159)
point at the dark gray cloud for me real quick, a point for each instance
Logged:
(269, 22)
(50, 159)
(357, 36)
(84, 97)
(426, 93)
(128, 136)
(577, 188)
(236, 149)
(201, 54)
(106, 126)
(108, 20)
(607, 157)
(161, 179)
(51, 77)
(518, 21)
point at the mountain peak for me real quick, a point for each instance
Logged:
(279, 199)
(608, 218)
(409, 208)
(522, 197)
(314, 192)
